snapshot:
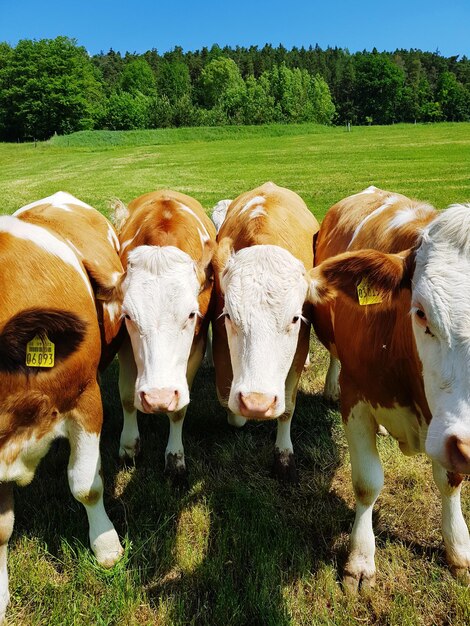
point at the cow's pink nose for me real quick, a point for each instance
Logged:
(458, 451)
(257, 405)
(159, 400)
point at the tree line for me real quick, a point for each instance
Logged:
(54, 86)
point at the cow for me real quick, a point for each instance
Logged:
(390, 289)
(261, 323)
(167, 243)
(55, 254)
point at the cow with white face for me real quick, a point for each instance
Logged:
(391, 291)
(167, 242)
(262, 322)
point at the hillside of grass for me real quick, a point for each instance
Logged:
(235, 548)
(165, 136)
(322, 164)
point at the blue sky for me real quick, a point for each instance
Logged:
(137, 26)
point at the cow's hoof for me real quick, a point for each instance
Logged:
(107, 548)
(284, 468)
(461, 574)
(357, 582)
(332, 395)
(128, 455)
(175, 471)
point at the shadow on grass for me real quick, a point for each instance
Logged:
(256, 535)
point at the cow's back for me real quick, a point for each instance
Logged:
(374, 218)
(271, 215)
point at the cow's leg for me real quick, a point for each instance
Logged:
(454, 528)
(284, 462)
(235, 420)
(367, 478)
(223, 369)
(129, 445)
(7, 519)
(331, 390)
(84, 474)
(175, 464)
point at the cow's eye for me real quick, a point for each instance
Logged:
(420, 316)
(192, 315)
(227, 316)
(295, 319)
(127, 316)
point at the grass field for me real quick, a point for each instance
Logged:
(236, 548)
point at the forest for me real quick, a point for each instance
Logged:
(54, 86)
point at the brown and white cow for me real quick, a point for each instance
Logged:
(261, 325)
(52, 254)
(167, 242)
(394, 307)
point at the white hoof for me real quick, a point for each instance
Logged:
(107, 548)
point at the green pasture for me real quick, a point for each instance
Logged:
(235, 548)
(322, 164)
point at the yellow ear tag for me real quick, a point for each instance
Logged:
(40, 352)
(367, 294)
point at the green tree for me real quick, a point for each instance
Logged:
(221, 75)
(48, 86)
(378, 87)
(160, 112)
(173, 80)
(453, 98)
(109, 66)
(298, 97)
(125, 111)
(322, 103)
(258, 104)
(137, 77)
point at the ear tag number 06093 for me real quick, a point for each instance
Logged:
(367, 294)
(40, 352)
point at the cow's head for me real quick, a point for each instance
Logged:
(161, 295)
(264, 290)
(438, 275)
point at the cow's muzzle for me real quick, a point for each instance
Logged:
(163, 400)
(257, 405)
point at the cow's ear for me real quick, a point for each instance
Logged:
(119, 213)
(221, 260)
(203, 266)
(107, 288)
(223, 254)
(363, 277)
